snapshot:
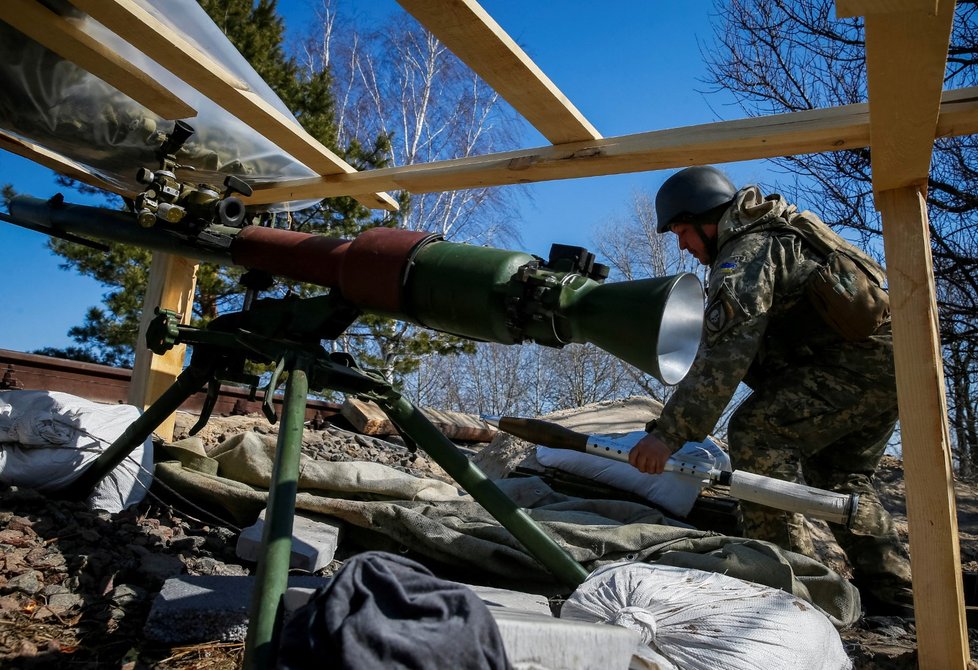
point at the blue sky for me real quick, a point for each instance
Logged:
(629, 66)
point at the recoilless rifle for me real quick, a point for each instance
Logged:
(480, 293)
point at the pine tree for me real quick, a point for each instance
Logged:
(108, 333)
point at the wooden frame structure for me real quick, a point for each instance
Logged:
(906, 50)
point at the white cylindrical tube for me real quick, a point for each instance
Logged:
(791, 497)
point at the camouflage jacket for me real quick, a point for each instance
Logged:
(758, 321)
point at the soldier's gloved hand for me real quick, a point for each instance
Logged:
(650, 455)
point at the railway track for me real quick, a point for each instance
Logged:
(103, 383)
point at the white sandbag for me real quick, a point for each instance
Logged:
(672, 492)
(47, 439)
(707, 621)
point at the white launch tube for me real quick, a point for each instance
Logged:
(788, 496)
(791, 497)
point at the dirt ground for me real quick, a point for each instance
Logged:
(76, 585)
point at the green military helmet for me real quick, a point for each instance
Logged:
(690, 193)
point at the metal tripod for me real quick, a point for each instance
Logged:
(288, 332)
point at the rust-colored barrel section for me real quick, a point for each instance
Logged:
(368, 271)
(316, 259)
(376, 266)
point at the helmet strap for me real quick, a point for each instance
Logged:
(709, 245)
(709, 216)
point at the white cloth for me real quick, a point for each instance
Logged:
(672, 492)
(47, 439)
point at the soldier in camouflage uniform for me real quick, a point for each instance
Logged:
(822, 405)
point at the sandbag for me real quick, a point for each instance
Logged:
(47, 439)
(708, 621)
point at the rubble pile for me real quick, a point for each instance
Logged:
(77, 584)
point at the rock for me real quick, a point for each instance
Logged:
(13, 538)
(160, 566)
(65, 601)
(209, 566)
(22, 524)
(126, 594)
(25, 583)
(26, 648)
(187, 543)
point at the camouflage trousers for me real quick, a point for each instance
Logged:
(832, 429)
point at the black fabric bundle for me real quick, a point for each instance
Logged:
(386, 611)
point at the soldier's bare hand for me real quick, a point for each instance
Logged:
(650, 455)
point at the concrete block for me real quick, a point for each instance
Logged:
(512, 600)
(537, 641)
(193, 609)
(314, 542)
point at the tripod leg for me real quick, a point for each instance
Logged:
(271, 580)
(189, 382)
(530, 534)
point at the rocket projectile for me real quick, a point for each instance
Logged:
(550, 434)
(543, 432)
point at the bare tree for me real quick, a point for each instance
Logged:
(400, 81)
(633, 249)
(430, 384)
(580, 374)
(631, 246)
(492, 380)
(789, 55)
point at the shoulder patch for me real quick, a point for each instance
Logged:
(716, 316)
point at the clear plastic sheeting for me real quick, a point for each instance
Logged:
(51, 102)
(698, 620)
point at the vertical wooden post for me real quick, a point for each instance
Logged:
(172, 280)
(942, 635)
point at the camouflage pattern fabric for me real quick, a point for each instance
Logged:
(821, 406)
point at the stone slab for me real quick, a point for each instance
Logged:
(531, 603)
(314, 541)
(190, 609)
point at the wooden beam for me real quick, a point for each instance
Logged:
(812, 131)
(845, 9)
(369, 419)
(906, 53)
(65, 38)
(172, 280)
(475, 37)
(168, 48)
(58, 163)
(942, 635)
